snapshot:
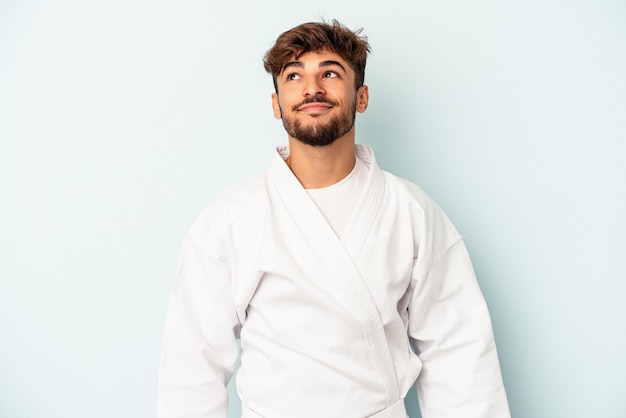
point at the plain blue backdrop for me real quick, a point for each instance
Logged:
(121, 120)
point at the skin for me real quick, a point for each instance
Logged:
(323, 76)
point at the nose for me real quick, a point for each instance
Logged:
(312, 87)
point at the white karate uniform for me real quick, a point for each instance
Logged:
(325, 322)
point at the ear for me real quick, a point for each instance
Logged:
(362, 98)
(276, 106)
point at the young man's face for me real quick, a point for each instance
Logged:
(316, 98)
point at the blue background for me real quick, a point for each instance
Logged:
(121, 120)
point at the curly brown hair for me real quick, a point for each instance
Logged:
(317, 36)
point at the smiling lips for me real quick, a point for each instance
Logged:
(314, 106)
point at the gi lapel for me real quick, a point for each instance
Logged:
(367, 206)
(339, 254)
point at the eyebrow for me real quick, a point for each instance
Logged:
(296, 64)
(329, 63)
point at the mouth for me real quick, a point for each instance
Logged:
(314, 105)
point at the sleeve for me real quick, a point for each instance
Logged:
(200, 339)
(449, 325)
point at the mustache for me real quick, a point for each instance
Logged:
(314, 99)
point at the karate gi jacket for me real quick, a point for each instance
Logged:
(326, 323)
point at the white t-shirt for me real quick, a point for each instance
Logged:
(337, 202)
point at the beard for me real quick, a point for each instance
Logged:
(319, 134)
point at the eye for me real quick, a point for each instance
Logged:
(330, 74)
(292, 76)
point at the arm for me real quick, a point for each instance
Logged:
(450, 326)
(200, 339)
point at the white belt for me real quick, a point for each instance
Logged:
(396, 410)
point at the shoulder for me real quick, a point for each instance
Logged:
(433, 231)
(409, 193)
(235, 210)
(397, 188)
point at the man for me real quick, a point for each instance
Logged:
(327, 269)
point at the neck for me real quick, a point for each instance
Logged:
(317, 167)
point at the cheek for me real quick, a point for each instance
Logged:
(286, 100)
